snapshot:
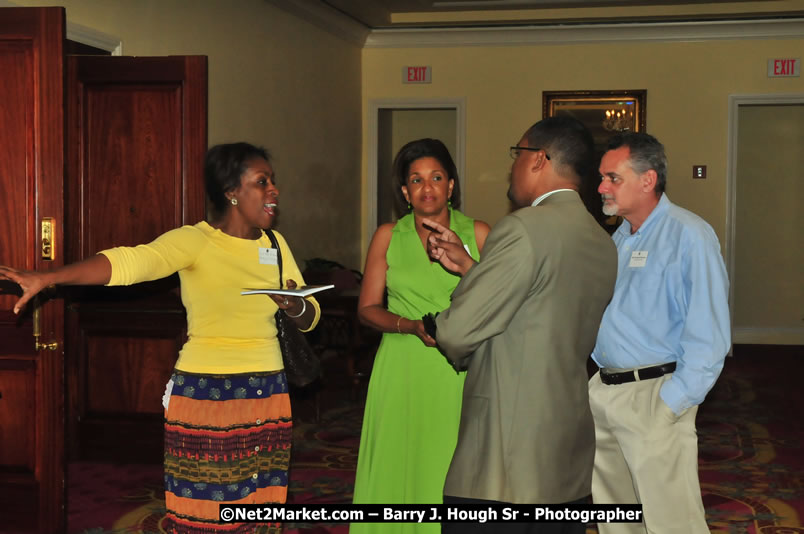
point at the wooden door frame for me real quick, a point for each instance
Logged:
(49, 176)
(42, 31)
(95, 313)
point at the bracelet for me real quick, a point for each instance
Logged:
(304, 309)
(397, 324)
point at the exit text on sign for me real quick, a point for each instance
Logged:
(422, 74)
(784, 67)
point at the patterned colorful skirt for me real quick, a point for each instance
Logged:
(227, 440)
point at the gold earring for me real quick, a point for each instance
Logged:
(233, 201)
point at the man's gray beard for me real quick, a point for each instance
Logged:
(610, 209)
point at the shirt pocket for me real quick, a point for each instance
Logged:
(647, 296)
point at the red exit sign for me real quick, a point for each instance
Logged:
(784, 67)
(422, 74)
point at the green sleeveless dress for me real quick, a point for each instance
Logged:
(413, 407)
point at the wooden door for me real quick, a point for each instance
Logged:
(31, 189)
(136, 139)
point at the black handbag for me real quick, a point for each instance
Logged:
(302, 366)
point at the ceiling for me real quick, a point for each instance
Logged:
(384, 14)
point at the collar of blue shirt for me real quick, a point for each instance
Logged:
(661, 207)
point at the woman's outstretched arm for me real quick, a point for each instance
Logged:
(93, 271)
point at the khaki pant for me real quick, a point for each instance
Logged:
(646, 454)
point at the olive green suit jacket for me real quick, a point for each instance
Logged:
(523, 321)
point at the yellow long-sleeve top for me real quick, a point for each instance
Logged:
(227, 332)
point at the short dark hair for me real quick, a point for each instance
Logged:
(569, 144)
(423, 148)
(223, 167)
(645, 153)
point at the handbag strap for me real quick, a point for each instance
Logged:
(275, 244)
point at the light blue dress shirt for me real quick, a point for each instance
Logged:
(674, 307)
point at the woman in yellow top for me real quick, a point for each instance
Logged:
(227, 412)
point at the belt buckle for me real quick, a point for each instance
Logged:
(612, 379)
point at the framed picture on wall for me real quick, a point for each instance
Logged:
(605, 113)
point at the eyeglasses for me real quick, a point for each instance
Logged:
(514, 151)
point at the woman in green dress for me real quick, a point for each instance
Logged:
(413, 407)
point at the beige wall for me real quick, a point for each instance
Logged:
(274, 80)
(688, 86)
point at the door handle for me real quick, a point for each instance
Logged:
(37, 332)
(48, 245)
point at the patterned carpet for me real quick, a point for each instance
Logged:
(323, 464)
(129, 499)
(751, 456)
(751, 459)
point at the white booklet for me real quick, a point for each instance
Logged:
(300, 292)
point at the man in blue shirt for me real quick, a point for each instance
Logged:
(660, 347)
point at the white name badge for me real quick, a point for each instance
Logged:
(267, 256)
(638, 258)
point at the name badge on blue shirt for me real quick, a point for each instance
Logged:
(267, 256)
(638, 258)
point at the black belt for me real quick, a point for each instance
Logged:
(646, 373)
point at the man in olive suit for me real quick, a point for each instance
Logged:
(523, 322)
